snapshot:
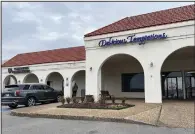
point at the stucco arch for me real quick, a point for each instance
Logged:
(31, 78)
(78, 77)
(56, 80)
(115, 54)
(171, 51)
(9, 79)
(103, 84)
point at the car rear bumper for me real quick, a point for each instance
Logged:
(12, 100)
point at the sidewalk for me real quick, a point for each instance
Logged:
(171, 114)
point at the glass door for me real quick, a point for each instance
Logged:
(190, 87)
(172, 91)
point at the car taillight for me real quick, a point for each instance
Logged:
(17, 92)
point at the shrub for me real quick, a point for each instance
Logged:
(82, 99)
(113, 99)
(68, 100)
(123, 100)
(62, 100)
(102, 99)
(92, 99)
(74, 100)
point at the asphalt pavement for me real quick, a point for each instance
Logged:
(26, 125)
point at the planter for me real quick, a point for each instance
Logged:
(89, 98)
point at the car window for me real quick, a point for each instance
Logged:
(24, 87)
(11, 86)
(38, 87)
(48, 87)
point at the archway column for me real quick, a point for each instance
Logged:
(153, 93)
(67, 87)
(92, 87)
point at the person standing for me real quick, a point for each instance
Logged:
(74, 90)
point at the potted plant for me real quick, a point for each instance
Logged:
(89, 98)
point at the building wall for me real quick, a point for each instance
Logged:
(180, 35)
(66, 69)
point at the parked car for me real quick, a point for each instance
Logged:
(29, 94)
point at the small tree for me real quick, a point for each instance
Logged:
(62, 100)
(102, 99)
(68, 100)
(123, 100)
(74, 100)
(113, 99)
(82, 99)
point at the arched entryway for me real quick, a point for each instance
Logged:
(56, 81)
(178, 74)
(78, 84)
(122, 75)
(9, 80)
(31, 78)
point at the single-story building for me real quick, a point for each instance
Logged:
(150, 56)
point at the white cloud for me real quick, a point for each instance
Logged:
(25, 16)
(73, 15)
(57, 18)
(33, 26)
(51, 36)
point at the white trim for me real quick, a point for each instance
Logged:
(48, 64)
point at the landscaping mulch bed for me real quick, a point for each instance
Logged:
(115, 106)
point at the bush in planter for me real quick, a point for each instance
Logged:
(113, 99)
(68, 100)
(82, 99)
(123, 100)
(62, 100)
(102, 99)
(74, 100)
(92, 99)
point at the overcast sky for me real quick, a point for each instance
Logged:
(36, 26)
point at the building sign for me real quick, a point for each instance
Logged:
(19, 70)
(132, 39)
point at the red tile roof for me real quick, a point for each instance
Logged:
(162, 17)
(49, 56)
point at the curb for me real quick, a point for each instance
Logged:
(67, 117)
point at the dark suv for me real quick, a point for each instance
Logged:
(29, 94)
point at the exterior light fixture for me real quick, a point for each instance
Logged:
(67, 83)
(41, 80)
(19, 81)
(90, 68)
(151, 64)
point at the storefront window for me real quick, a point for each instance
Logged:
(133, 82)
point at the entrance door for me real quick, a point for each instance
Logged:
(172, 91)
(190, 87)
(173, 88)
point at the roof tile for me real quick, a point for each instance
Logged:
(49, 56)
(162, 17)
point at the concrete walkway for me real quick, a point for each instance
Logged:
(170, 113)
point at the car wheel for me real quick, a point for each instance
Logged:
(31, 101)
(12, 106)
(58, 99)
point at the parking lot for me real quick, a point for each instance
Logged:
(23, 125)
